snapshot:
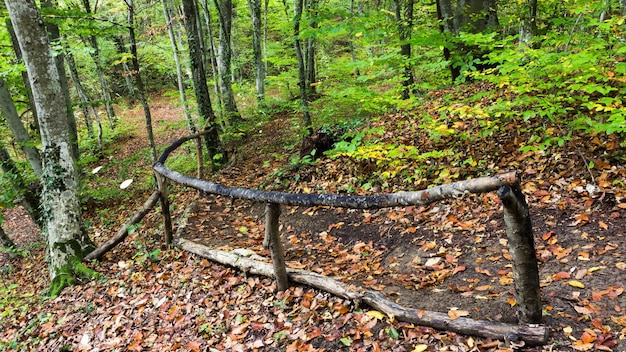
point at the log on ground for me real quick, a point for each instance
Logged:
(530, 334)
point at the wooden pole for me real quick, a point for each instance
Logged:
(165, 208)
(272, 238)
(523, 255)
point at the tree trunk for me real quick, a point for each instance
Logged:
(357, 72)
(309, 52)
(212, 61)
(28, 198)
(17, 128)
(95, 56)
(404, 19)
(5, 241)
(199, 80)
(138, 81)
(298, 4)
(259, 66)
(66, 243)
(528, 24)
(119, 43)
(59, 60)
(85, 101)
(179, 69)
(224, 53)
(29, 90)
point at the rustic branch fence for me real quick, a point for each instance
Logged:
(518, 229)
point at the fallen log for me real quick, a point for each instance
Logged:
(123, 232)
(529, 334)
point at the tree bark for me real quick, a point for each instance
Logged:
(85, 101)
(138, 81)
(309, 52)
(179, 70)
(224, 53)
(59, 60)
(212, 60)
(19, 131)
(528, 24)
(249, 262)
(28, 198)
(404, 19)
(18, 55)
(66, 243)
(424, 197)
(273, 243)
(123, 232)
(5, 241)
(306, 116)
(259, 66)
(106, 92)
(126, 72)
(519, 232)
(199, 80)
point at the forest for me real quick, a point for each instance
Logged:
(146, 148)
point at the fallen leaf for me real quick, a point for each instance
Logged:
(457, 313)
(576, 283)
(420, 348)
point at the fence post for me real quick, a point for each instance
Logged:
(523, 255)
(272, 241)
(165, 207)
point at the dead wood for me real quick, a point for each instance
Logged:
(272, 236)
(519, 233)
(530, 334)
(424, 197)
(123, 232)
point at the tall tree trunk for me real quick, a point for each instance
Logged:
(66, 242)
(179, 70)
(301, 71)
(59, 60)
(85, 102)
(224, 53)
(259, 66)
(95, 56)
(199, 81)
(213, 60)
(126, 72)
(357, 72)
(309, 51)
(29, 90)
(404, 19)
(27, 197)
(528, 24)
(17, 128)
(138, 81)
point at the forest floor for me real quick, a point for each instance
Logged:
(450, 257)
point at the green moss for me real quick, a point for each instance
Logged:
(67, 276)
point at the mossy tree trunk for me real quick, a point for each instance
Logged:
(66, 242)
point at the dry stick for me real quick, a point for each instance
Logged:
(123, 232)
(272, 212)
(523, 255)
(530, 334)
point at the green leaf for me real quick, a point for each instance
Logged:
(347, 341)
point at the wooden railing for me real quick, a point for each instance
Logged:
(516, 216)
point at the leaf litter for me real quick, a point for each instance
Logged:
(450, 257)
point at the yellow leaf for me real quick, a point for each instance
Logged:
(567, 330)
(376, 314)
(576, 283)
(420, 348)
(512, 302)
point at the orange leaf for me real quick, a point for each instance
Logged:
(561, 275)
(457, 313)
(588, 337)
(603, 225)
(193, 345)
